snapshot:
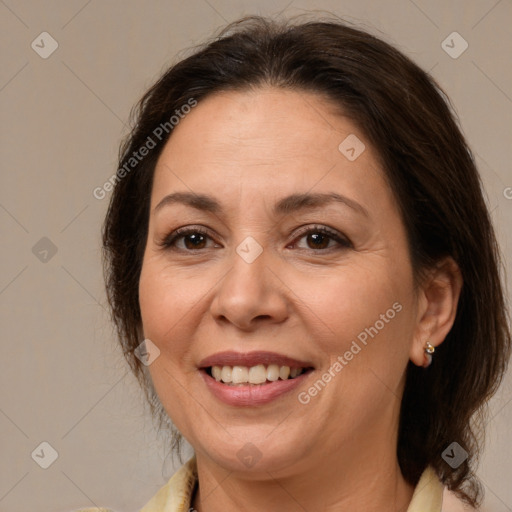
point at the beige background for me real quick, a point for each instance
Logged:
(62, 378)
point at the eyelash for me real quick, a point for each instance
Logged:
(170, 240)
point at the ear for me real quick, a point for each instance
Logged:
(438, 298)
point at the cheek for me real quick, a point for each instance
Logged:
(369, 308)
(164, 299)
(165, 304)
(369, 315)
(172, 304)
(161, 311)
(153, 301)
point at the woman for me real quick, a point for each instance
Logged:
(298, 234)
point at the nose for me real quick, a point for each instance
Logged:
(251, 294)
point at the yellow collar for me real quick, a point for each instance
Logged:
(176, 495)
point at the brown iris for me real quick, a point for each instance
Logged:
(320, 240)
(197, 241)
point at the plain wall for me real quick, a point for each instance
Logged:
(62, 378)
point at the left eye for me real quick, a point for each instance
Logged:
(320, 238)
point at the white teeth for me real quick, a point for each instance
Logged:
(226, 374)
(284, 372)
(258, 374)
(240, 374)
(217, 373)
(294, 372)
(273, 372)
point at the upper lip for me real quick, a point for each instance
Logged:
(230, 358)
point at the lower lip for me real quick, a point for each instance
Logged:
(251, 395)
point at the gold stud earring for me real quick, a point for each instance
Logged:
(429, 350)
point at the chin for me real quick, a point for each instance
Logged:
(251, 450)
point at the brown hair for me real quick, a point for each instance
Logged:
(404, 115)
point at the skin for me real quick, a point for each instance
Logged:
(338, 452)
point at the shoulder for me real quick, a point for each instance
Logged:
(451, 503)
(431, 495)
(171, 497)
(176, 495)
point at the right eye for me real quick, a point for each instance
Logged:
(187, 239)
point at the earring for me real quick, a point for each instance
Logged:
(429, 350)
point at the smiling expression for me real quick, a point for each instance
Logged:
(286, 251)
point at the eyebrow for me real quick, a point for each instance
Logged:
(286, 205)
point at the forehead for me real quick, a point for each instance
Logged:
(267, 140)
(288, 121)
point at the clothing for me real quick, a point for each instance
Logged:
(176, 495)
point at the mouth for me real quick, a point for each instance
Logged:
(254, 378)
(254, 375)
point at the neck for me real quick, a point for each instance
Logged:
(349, 478)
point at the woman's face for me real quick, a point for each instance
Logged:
(295, 261)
